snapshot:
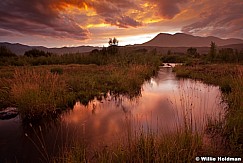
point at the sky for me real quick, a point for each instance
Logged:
(58, 23)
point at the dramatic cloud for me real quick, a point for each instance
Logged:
(224, 19)
(37, 17)
(75, 22)
(115, 12)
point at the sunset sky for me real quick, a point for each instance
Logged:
(57, 23)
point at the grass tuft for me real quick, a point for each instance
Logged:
(37, 92)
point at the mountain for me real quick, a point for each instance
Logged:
(163, 42)
(185, 40)
(20, 49)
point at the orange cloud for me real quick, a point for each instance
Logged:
(83, 20)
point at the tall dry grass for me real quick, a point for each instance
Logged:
(140, 142)
(229, 78)
(141, 146)
(37, 92)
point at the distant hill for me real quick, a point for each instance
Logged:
(234, 46)
(177, 43)
(185, 40)
(20, 49)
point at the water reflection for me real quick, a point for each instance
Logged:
(165, 103)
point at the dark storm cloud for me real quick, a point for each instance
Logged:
(37, 17)
(224, 19)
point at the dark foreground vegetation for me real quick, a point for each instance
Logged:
(39, 84)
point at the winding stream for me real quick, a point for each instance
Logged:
(165, 103)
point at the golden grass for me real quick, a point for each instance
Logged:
(229, 78)
(37, 92)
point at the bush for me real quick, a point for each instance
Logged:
(5, 52)
(36, 53)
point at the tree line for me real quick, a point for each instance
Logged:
(38, 57)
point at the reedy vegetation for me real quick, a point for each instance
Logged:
(140, 145)
(117, 71)
(38, 91)
(229, 78)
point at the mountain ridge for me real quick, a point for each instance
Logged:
(20, 49)
(177, 42)
(186, 40)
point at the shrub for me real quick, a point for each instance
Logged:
(5, 52)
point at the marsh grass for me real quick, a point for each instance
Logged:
(234, 123)
(6, 73)
(5, 95)
(89, 81)
(140, 142)
(39, 143)
(229, 78)
(142, 146)
(37, 92)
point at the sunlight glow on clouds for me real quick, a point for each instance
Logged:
(82, 22)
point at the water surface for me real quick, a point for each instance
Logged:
(165, 103)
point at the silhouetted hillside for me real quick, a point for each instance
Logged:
(20, 49)
(185, 40)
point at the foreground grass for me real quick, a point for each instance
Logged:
(38, 91)
(67, 82)
(140, 146)
(229, 78)
(134, 145)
